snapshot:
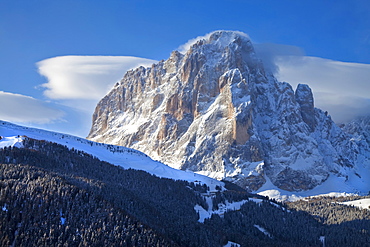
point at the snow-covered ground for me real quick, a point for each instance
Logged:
(333, 186)
(13, 141)
(362, 203)
(222, 208)
(231, 244)
(11, 135)
(263, 230)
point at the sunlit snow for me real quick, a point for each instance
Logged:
(362, 203)
(334, 186)
(121, 156)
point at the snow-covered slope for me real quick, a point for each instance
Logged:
(333, 186)
(359, 128)
(11, 135)
(361, 203)
(215, 111)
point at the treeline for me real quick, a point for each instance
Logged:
(344, 225)
(50, 195)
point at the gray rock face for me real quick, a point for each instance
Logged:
(304, 97)
(359, 128)
(214, 110)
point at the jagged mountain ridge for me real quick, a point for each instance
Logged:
(359, 128)
(216, 111)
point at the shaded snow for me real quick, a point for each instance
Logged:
(322, 240)
(203, 214)
(222, 208)
(263, 230)
(231, 244)
(62, 220)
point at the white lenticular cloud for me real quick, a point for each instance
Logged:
(269, 52)
(324, 75)
(24, 109)
(85, 77)
(341, 88)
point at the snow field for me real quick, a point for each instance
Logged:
(362, 203)
(120, 156)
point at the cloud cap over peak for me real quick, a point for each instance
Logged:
(185, 47)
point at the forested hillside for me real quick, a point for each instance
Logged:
(40, 208)
(343, 222)
(52, 195)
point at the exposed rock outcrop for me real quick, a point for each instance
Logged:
(215, 110)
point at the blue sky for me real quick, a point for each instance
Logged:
(35, 35)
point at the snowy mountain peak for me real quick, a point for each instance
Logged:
(223, 38)
(215, 111)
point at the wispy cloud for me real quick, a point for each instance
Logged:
(343, 108)
(185, 47)
(85, 77)
(77, 83)
(352, 79)
(269, 52)
(24, 109)
(340, 88)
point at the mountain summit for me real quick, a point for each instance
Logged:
(215, 110)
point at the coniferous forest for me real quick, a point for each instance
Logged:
(54, 196)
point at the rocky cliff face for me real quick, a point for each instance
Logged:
(216, 111)
(359, 128)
